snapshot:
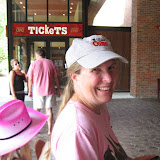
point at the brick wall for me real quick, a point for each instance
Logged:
(145, 48)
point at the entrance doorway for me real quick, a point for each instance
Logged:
(55, 51)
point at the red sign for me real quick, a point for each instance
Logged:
(47, 29)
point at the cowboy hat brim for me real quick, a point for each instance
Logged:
(11, 144)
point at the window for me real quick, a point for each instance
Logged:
(57, 54)
(70, 41)
(18, 11)
(75, 10)
(37, 11)
(58, 10)
(20, 53)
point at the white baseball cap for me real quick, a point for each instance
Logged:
(91, 51)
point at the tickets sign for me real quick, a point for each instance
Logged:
(47, 29)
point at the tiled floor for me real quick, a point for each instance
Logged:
(136, 123)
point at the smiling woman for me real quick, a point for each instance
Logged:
(83, 115)
(82, 129)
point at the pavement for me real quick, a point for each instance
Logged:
(135, 121)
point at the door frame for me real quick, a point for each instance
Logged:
(47, 40)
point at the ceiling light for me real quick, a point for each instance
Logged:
(21, 2)
(71, 3)
(24, 7)
(63, 14)
(70, 11)
(35, 14)
(70, 7)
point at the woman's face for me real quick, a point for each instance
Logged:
(95, 86)
(16, 65)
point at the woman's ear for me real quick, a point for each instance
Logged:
(74, 77)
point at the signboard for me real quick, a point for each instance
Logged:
(47, 29)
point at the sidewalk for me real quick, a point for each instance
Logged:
(135, 121)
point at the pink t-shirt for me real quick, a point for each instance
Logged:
(80, 134)
(43, 71)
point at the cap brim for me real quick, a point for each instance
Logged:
(98, 57)
(38, 121)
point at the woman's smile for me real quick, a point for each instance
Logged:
(103, 89)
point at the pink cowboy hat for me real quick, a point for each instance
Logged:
(18, 125)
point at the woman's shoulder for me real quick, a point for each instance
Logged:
(12, 72)
(84, 117)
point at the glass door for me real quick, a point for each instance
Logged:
(20, 53)
(34, 45)
(57, 55)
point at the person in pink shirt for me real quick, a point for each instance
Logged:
(82, 130)
(42, 74)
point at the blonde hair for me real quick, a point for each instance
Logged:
(24, 153)
(12, 62)
(46, 151)
(69, 89)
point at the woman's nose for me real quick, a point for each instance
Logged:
(107, 77)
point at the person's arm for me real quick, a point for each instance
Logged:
(58, 86)
(30, 84)
(25, 75)
(30, 80)
(12, 75)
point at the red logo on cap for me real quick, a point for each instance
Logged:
(99, 43)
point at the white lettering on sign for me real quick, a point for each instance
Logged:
(31, 29)
(64, 30)
(47, 30)
(41, 30)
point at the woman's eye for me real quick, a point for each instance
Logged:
(112, 67)
(96, 70)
